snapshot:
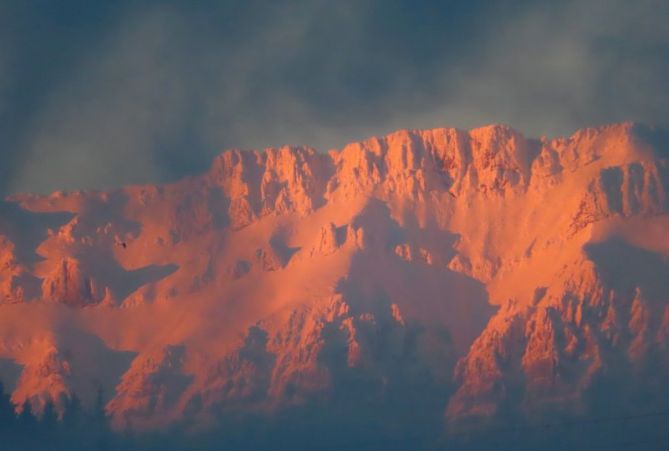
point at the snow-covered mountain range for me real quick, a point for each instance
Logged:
(503, 274)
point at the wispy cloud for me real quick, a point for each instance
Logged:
(557, 67)
(166, 87)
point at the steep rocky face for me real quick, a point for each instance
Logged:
(45, 377)
(276, 365)
(274, 181)
(69, 285)
(11, 274)
(591, 335)
(523, 275)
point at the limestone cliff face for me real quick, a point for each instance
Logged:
(586, 333)
(277, 364)
(150, 388)
(523, 275)
(68, 284)
(274, 181)
(45, 377)
(12, 274)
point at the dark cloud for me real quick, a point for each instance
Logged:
(98, 94)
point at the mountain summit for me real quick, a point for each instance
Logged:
(485, 272)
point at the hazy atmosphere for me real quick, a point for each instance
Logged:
(302, 225)
(100, 94)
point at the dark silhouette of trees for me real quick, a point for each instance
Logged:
(7, 415)
(66, 427)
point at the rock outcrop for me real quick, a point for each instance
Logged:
(532, 270)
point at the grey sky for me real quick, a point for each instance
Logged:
(100, 94)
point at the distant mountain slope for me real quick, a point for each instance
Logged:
(499, 273)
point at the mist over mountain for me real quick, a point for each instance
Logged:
(96, 95)
(424, 289)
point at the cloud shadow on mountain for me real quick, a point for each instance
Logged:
(27, 229)
(624, 267)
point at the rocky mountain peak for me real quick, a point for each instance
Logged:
(509, 274)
